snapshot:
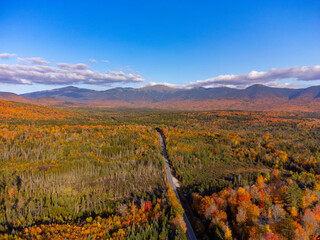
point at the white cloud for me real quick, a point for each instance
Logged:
(64, 74)
(33, 60)
(92, 60)
(165, 84)
(305, 73)
(6, 55)
(284, 85)
(105, 61)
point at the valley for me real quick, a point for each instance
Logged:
(99, 173)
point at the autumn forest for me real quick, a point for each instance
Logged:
(100, 174)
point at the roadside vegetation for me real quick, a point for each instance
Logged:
(67, 174)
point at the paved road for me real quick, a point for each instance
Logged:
(189, 233)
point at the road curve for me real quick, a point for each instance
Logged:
(189, 233)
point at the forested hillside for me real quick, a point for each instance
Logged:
(254, 98)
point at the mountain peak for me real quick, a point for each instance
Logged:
(159, 88)
(72, 87)
(254, 86)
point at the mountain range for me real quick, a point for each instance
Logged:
(256, 97)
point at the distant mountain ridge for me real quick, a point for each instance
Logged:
(255, 97)
(47, 101)
(158, 93)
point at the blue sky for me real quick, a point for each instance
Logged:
(176, 42)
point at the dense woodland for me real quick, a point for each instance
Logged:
(249, 175)
(99, 174)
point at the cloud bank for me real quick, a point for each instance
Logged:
(305, 73)
(63, 74)
(37, 70)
